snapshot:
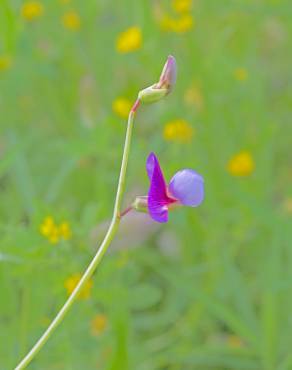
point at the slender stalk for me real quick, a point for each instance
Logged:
(101, 251)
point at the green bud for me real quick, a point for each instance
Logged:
(152, 94)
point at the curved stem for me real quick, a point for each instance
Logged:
(101, 251)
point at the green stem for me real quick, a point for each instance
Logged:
(101, 251)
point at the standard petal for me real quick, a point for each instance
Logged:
(158, 199)
(188, 187)
(153, 168)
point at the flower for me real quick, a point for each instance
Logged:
(129, 40)
(185, 188)
(240, 74)
(5, 62)
(50, 230)
(182, 6)
(71, 20)
(98, 324)
(241, 164)
(182, 24)
(122, 106)
(71, 283)
(65, 231)
(54, 232)
(165, 84)
(178, 130)
(32, 10)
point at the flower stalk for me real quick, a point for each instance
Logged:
(100, 253)
(155, 93)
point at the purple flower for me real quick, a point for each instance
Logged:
(185, 188)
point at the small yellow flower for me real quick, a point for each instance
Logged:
(178, 130)
(122, 106)
(65, 230)
(71, 20)
(32, 10)
(54, 232)
(242, 164)
(240, 74)
(193, 97)
(50, 230)
(166, 23)
(47, 226)
(181, 25)
(71, 283)
(98, 324)
(54, 235)
(184, 24)
(182, 6)
(5, 62)
(129, 40)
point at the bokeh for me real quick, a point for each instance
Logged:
(211, 289)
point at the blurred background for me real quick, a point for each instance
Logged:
(210, 290)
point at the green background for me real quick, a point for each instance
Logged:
(175, 294)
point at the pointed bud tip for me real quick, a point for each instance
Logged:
(168, 76)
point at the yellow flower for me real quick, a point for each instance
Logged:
(166, 23)
(47, 226)
(242, 164)
(54, 235)
(32, 10)
(50, 230)
(181, 25)
(193, 97)
(178, 130)
(98, 324)
(129, 40)
(71, 283)
(182, 6)
(53, 232)
(5, 62)
(65, 230)
(240, 74)
(184, 24)
(71, 20)
(122, 106)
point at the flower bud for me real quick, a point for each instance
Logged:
(164, 86)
